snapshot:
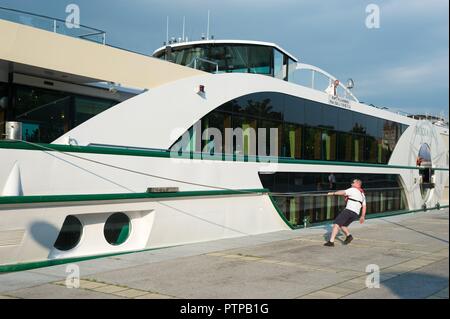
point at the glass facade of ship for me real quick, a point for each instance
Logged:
(47, 114)
(301, 197)
(307, 129)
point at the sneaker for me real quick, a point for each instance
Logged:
(348, 240)
(329, 244)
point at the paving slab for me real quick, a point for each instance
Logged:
(50, 291)
(410, 250)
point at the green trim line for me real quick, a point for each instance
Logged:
(281, 213)
(369, 216)
(55, 262)
(167, 154)
(122, 196)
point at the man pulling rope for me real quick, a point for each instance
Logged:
(356, 203)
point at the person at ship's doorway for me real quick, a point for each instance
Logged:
(332, 181)
(355, 209)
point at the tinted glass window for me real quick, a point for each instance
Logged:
(86, 108)
(384, 194)
(329, 143)
(313, 143)
(226, 58)
(279, 67)
(292, 141)
(346, 123)
(292, 65)
(294, 110)
(371, 125)
(3, 103)
(48, 114)
(261, 105)
(308, 129)
(313, 113)
(344, 147)
(330, 117)
(359, 123)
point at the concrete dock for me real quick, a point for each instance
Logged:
(410, 251)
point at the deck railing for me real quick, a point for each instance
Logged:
(53, 25)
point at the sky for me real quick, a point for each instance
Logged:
(402, 65)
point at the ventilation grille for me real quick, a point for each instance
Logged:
(11, 237)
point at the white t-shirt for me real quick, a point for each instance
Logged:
(355, 194)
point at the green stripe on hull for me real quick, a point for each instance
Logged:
(55, 262)
(122, 196)
(198, 156)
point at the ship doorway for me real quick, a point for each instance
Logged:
(426, 172)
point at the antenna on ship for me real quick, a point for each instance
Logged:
(207, 27)
(167, 30)
(184, 27)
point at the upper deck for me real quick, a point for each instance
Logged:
(231, 56)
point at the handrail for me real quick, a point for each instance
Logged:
(303, 66)
(325, 193)
(195, 59)
(53, 26)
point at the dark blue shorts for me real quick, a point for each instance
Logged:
(346, 217)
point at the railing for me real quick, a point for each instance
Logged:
(194, 63)
(302, 209)
(53, 24)
(331, 78)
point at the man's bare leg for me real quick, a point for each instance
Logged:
(334, 232)
(345, 230)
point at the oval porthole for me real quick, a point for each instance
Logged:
(70, 234)
(117, 228)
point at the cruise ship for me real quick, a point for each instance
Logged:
(107, 152)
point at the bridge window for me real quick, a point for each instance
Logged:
(225, 58)
(292, 66)
(280, 65)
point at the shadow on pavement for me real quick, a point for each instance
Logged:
(415, 285)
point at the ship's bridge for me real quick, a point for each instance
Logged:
(242, 56)
(228, 56)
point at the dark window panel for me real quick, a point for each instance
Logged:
(384, 193)
(48, 114)
(371, 150)
(267, 125)
(344, 147)
(312, 143)
(358, 148)
(345, 121)
(87, 107)
(330, 119)
(294, 110)
(329, 142)
(311, 130)
(359, 123)
(313, 113)
(292, 141)
(371, 124)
